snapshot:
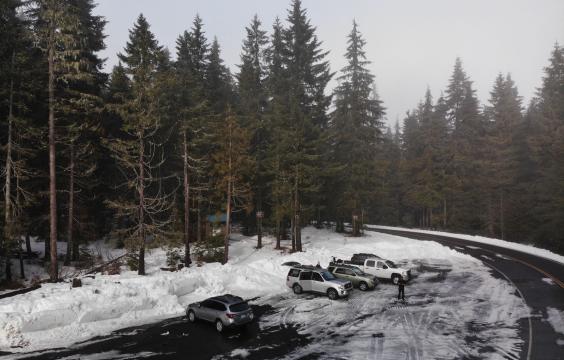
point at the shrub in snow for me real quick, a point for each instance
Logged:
(173, 257)
(133, 262)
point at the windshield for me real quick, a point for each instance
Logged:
(391, 264)
(327, 275)
(357, 271)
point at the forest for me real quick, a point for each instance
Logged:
(147, 154)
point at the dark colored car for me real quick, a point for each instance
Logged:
(291, 264)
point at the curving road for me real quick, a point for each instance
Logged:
(529, 274)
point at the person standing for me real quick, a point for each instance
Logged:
(401, 289)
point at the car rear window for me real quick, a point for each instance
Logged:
(242, 306)
(294, 272)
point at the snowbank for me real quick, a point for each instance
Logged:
(529, 249)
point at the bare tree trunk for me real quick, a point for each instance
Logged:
(199, 230)
(293, 231)
(8, 231)
(491, 221)
(20, 256)
(444, 213)
(187, 260)
(259, 209)
(70, 246)
(362, 221)
(141, 191)
(28, 245)
(75, 239)
(53, 270)
(259, 232)
(501, 215)
(227, 224)
(297, 221)
(278, 229)
(228, 208)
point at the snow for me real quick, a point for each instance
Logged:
(240, 353)
(556, 319)
(529, 249)
(455, 309)
(35, 270)
(452, 292)
(548, 281)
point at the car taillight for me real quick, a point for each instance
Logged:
(231, 316)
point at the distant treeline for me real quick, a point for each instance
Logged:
(148, 152)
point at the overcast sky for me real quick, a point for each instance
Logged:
(412, 44)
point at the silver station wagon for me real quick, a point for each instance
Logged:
(225, 311)
(321, 281)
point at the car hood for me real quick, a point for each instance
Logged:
(340, 281)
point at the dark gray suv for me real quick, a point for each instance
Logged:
(224, 311)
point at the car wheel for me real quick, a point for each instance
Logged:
(297, 289)
(363, 286)
(191, 316)
(219, 325)
(395, 279)
(332, 294)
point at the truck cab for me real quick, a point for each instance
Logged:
(385, 269)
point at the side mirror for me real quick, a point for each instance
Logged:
(385, 266)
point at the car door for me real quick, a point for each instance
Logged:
(317, 283)
(205, 310)
(342, 274)
(305, 280)
(351, 276)
(370, 267)
(381, 269)
(218, 309)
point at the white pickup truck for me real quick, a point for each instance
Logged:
(375, 265)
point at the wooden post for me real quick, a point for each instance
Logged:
(53, 268)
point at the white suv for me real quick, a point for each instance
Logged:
(317, 280)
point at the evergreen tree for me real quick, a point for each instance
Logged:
(308, 74)
(231, 162)
(548, 147)
(20, 81)
(277, 89)
(504, 116)
(253, 103)
(139, 153)
(467, 151)
(81, 104)
(355, 132)
(70, 36)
